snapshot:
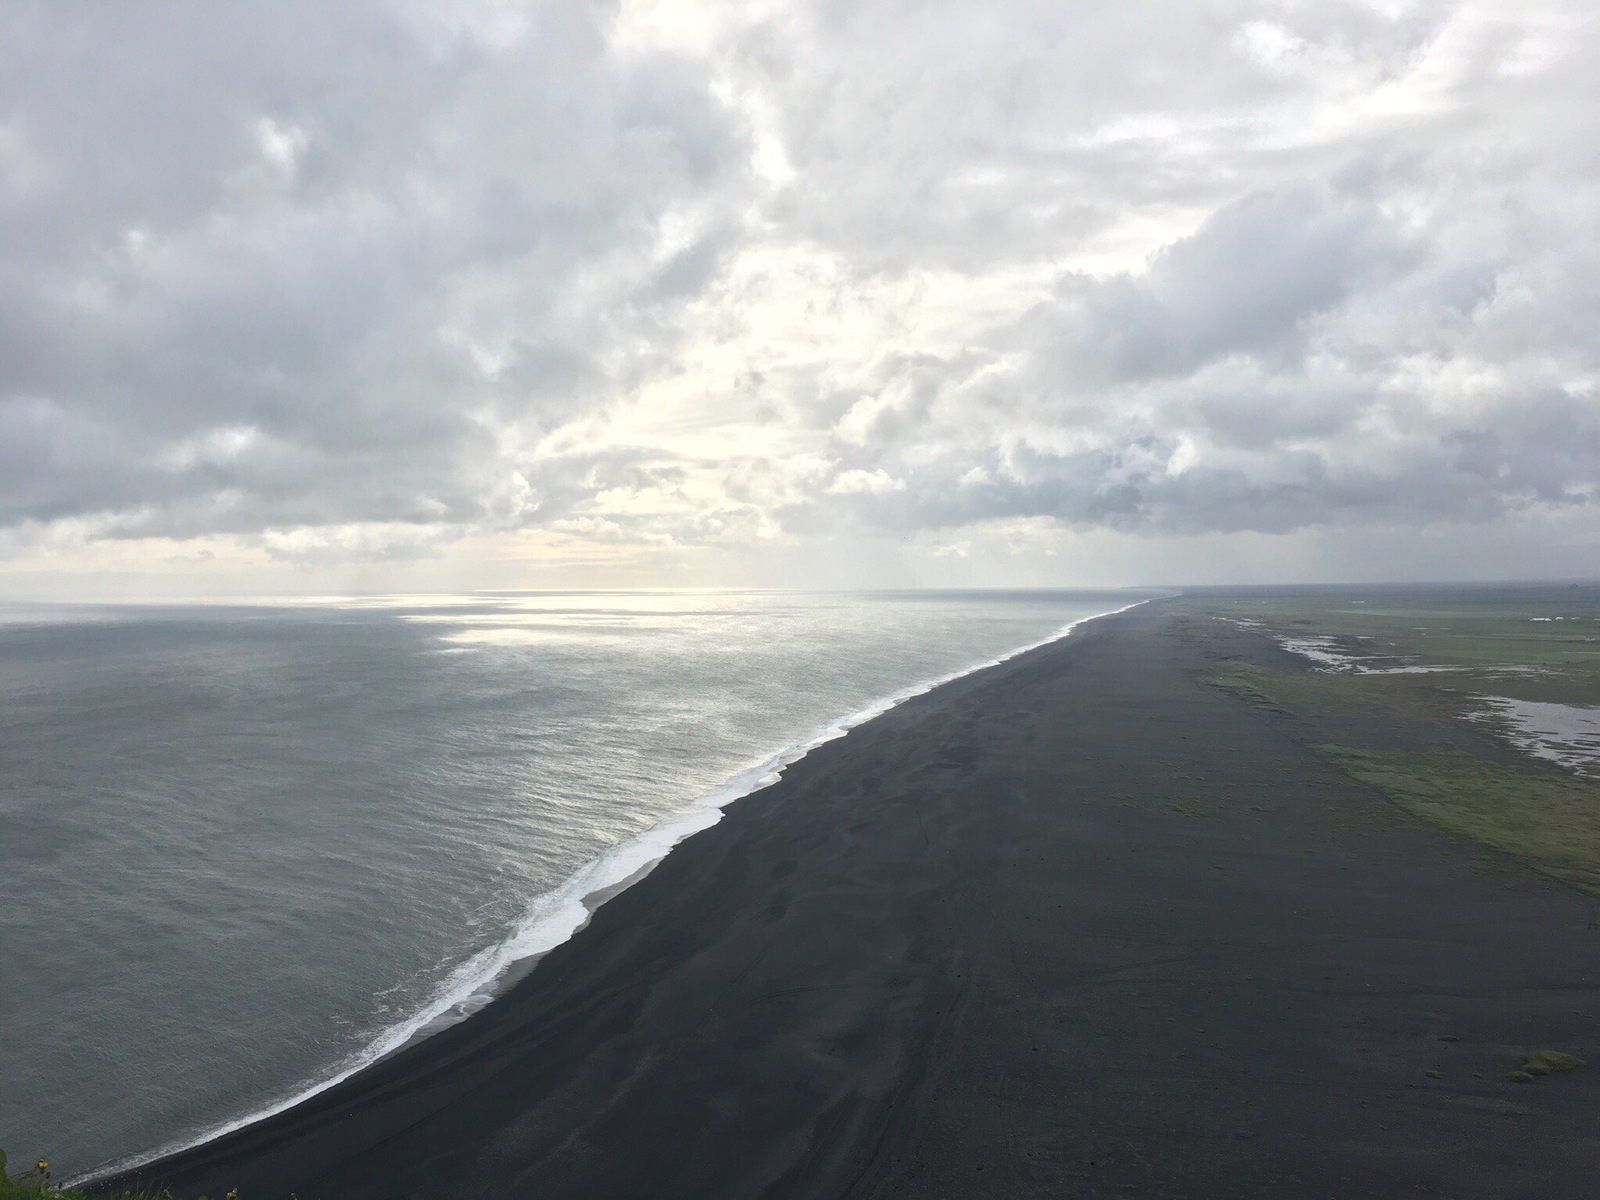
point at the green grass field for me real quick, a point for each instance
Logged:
(1550, 822)
(1529, 646)
(1526, 645)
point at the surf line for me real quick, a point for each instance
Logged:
(559, 915)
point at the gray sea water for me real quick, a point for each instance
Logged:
(246, 849)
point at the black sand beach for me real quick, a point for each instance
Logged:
(1077, 925)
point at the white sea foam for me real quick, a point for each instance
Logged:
(556, 916)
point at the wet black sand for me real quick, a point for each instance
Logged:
(1078, 925)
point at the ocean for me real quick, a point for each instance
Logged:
(247, 849)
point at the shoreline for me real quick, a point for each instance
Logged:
(556, 917)
(1076, 924)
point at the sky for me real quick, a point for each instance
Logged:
(434, 295)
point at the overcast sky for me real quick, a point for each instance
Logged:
(441, 294)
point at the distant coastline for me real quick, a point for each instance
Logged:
(1068, 921)
(566, 912)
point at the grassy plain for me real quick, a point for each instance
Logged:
(1526, 644)
(1395, 713)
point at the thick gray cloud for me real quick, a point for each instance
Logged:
(283, 265)
(364, 280)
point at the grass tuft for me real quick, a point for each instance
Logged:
(34, 1184)
(1549, 1062)
(1245, 681)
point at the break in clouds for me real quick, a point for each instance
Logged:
(364, 280)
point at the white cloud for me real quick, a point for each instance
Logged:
(871, 483)
(382, 280)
